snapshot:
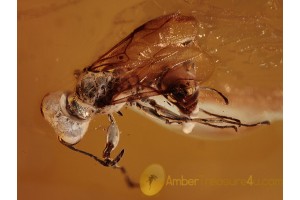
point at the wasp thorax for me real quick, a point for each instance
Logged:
(93, 86)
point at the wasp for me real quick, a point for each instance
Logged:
(159, 58)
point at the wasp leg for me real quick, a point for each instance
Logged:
(112, 163)
(170, 117)
(234, 120)
(112, 140)
(113, 134)
(218, 121)
(162, 114)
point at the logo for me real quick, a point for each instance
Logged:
(152, 179)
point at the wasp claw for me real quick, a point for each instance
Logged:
(114, 162)
(118, 157)
(235, 128)
(266, 122)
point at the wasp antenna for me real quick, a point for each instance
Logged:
(84, 153)
(129, 181)
(218, 92)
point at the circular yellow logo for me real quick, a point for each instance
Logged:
(152, 179)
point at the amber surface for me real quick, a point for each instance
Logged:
(244, 39)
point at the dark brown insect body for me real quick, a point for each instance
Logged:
(160, 58)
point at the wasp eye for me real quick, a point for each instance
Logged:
(179, 93)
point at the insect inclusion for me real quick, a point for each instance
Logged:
(159, 58)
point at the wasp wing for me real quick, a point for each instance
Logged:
(142, 58)
(145, 41)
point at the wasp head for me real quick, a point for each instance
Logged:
(69, 128)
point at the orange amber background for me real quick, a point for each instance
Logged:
(56, 37)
